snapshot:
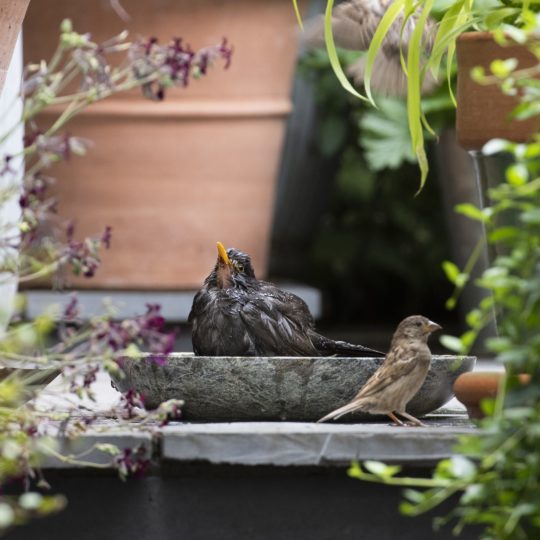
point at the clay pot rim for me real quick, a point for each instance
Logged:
(476, 36)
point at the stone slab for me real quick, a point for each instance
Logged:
(303, 444)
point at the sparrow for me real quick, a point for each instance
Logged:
(236, 314)
(354, 23)
(401, 375)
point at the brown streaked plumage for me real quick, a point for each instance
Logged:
(401, 375)
(353, 26)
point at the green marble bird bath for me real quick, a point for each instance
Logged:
(275, 388)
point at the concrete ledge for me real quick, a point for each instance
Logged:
(293, 444)
(275, 443)
(175, 305)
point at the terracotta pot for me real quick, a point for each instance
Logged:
(172, 178)
(483, 111)
(471, 388)
(11, 17)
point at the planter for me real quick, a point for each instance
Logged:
(483, 111)
(172, 178)
(11, 16)
(275, 388)
(472, 388)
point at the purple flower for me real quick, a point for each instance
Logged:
(172, 64)
(226, 53)
(106, 237)
(152, 324)
(6, 169)
(132, 462)
(83, 256)
(71, 311)
(130, 401)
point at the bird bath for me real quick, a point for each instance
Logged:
(274, 388)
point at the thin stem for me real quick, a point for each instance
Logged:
(71, 460)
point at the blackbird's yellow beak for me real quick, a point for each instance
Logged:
(222, 253)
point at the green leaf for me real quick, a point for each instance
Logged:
(451, 271)
(385, 136)
(414, 85)
(297, 12)
(487, 405)
(388, 19)
(354, 470)
(503, 68)
(413, 495)
(446, 25)
(452, 343)
(111, 449)
(498, 344)
(496, 17)
(333, 55)
(531, 217)
(471, 211)
(517, 174)
(478, 75)
(375, 467)
(462, 467)
(468, 339)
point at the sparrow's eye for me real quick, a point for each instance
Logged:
(419, 324)
(240, 267)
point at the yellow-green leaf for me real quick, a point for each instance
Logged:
(333, 55)
(387, 21)
(297, 12)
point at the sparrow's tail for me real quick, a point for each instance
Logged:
(329, 347)
(338, 413)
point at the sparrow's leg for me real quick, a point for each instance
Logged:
(413, 420)
(395, 419)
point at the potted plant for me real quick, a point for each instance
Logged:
(493, 476)
(80, 348)
(426, 46)
(169, 178)
(11, 17)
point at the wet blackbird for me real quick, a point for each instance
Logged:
(401, 375)
(235, 314)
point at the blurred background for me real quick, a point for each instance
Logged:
(270, 156)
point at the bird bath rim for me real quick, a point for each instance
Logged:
(294, 388)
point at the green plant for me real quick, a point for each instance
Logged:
(420, 55)
(38, 244)
(371, 232)
(497, 471)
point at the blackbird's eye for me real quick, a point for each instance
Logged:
(240, 267)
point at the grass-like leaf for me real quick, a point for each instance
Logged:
(387, 21)
(333, 54)
(414, 85)
(297, 12)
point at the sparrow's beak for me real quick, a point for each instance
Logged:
(222, 254)
(432, 327)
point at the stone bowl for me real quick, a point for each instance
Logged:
(216, 388)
